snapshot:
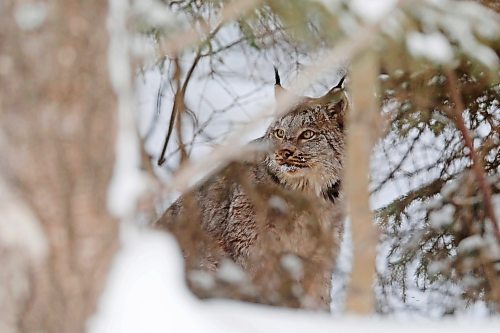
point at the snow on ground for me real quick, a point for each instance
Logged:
(372, 11)
(145, 292)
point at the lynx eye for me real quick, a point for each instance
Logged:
(279, 133)
(307, 134)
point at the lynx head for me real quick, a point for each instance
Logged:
(308, 142)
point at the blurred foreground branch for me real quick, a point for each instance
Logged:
(361, 134)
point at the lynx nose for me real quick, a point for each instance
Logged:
(285, 153)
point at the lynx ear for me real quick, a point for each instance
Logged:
(336, 101)
(333, 93)
(277, 77)
(337, 110)
(278, 89)
(335, 96)
(340, 85)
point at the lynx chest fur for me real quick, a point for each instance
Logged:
(280, 215)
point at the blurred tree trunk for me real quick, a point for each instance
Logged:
(363, 125)
(57, 118)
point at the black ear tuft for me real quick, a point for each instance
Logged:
(277, 77)
(341, 82)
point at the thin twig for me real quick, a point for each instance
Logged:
(477, 165)
(156, 115)
(178, 105)
(400, 163)
(173, 113)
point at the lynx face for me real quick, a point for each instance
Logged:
(308, 143)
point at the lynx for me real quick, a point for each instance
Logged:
(278, 216)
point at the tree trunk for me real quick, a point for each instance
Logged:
(57, 119)
(361, 136)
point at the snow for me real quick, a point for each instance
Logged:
(461, 29)
(437, 267)
(372, 11)
(258, 319)
(471, 243)
(451, 187)
(462, 21)
(293, 265)
(145, 292)
(442, 218)
(342, 271)
(155, 13)
(19, 227)
(433, 46)
(128, 182)
(201, 279)
(30, 16)
(278, 203)
(230, 272)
